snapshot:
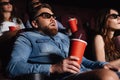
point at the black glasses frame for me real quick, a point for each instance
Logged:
(46, 15)
(5, 3)
(113, 16)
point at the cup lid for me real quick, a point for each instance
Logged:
(80, 40)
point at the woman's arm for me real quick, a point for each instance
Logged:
(115, 62)
(99, 48)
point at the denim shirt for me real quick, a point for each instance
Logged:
(34, 52)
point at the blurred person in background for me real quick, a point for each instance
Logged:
(8, 17)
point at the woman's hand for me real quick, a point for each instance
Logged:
(18, 27)
(67, 65)
(112, 67)
(115, 62)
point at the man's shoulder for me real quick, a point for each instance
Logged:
(59, 33)
(34, 34)
(62, 34)
(30, 34)
(27, 33)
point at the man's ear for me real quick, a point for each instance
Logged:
(34, 23)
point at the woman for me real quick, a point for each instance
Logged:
(8, 17)
(107, 22)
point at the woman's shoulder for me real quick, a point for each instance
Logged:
(98, 37)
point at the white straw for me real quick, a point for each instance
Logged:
(80, 36)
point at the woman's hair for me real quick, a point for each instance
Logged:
(111, 51)
(13, 14)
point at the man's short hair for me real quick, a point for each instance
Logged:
(35, 10)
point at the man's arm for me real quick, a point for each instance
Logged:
(67, 65)
(19, 65)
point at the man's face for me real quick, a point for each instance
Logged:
(45, 22)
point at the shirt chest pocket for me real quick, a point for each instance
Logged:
(46, 45)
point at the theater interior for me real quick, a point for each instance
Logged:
(83, 10)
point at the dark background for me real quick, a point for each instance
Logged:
(86, 3)
(81, 8)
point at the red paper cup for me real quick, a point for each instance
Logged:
(12, 28)
(73, 24)
(77, 48)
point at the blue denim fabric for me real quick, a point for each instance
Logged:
(31, 48)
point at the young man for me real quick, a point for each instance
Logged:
(45, 51)
(34, 3)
